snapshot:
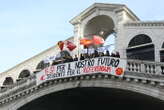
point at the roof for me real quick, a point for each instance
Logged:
(116, 7)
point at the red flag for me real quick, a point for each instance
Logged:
(71, 46)
(86, 41)
(97, 40)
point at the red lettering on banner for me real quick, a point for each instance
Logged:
(46, 70)
(50, 70)
(97, 69)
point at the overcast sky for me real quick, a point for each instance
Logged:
(27, 27)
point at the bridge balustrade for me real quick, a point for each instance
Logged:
(135, 70)
(18, 86)
(146, 67)
(133, 66)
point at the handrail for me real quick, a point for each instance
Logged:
(130, 62)
(135, 69)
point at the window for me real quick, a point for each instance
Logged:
(141, 48)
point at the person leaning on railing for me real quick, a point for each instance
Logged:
(117, 55)
(113, 55)
(86, 55)
(93, 55)
(68, 59)
(81, 57)
(96, 53)
(75, 58)
(107, 53)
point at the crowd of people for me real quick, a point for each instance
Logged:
(83, 56)
(99, 54)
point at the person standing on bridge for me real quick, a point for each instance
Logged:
(75, 58)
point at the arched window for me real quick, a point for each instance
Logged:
(141, 48)
(110, 42)
(8, 81)
(162, 58)
(162, 53)
(24, 74)
(101, 25)
(42, 65)
(139, 40)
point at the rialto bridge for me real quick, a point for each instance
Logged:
(140, 43)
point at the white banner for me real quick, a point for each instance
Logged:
(106, 65)
(91, 50)
(83, 51)
(101, 49)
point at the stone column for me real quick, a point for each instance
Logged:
(120, 40)
(157, 53)
(77, 35)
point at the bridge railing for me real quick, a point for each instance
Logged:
(18, 86)
(146, 67)
(136, 69)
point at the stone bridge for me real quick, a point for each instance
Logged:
(141, 77)
(139, 42)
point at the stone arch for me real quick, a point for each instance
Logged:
(85, 21)
(102, 25)
(110, 42)
(98, 24)
(24, 74)
(139, 40)
(162, 46)
(141, 47)
(97, 97)
(162, 53)
(141, 89)
(8, 81)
